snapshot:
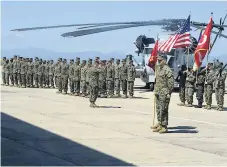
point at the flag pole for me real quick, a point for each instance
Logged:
(154, 110)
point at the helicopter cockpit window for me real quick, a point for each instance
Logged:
(148, 51)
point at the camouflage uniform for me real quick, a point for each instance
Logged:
(71, 75)
(210, 78)
(131, 71)
(35, 72)
(3, 64)
(7, 72)
(163, 89)
(11, 72)
(51, 74)
(88, 66)
(30, 73)
(65, 76)
(190, 87)
(40, 73)
(19, 61)
(83, 78)
(102, 80)
(46, 73)
(110, 79)
(23, 73)
(123, 77)
(220, 89)
(58, 74)
(94, 82)
(76, 77)
(15, 71)
(182, 81)
(117, 70)
(200, 87)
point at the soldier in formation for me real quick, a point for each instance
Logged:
(205, 81)
(85, 79)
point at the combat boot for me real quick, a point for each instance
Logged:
(189, 105)
(125, 96)
(64, 93)
(130, 96)
(58, 92)
(76, 94)
(208, 107)
(93, 105)
(221, 109)
(157, 129)
(155, 126)
(181, 104)
(199, 105)
(205, 107)
(163, 130)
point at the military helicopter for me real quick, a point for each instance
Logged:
(142, 43)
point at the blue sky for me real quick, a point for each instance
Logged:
(29, 14)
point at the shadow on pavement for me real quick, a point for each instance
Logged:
(24, 144)
(109, 107)
(182, 129)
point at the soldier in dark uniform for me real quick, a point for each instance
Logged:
(182, 81)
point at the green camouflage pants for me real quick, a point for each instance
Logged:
(51, 79)
(182, 94)
(36, 79)
(77, 86)
(23, 80)
(124, 86)
(199, 93)
(93, 93)
(189, 92)
(65, 83)
(29, 80)
(220, 93)
(3, 78)
(102, 87)
(83, 87)
(208, 94)
(71, 85)
(59, 79)
(131, 88)
(162, 109)
(11, 79)
(15, 79)
(110, 87)
(6, 78)
(40, 77)
(117, 86)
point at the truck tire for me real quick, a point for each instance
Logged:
(151, 86)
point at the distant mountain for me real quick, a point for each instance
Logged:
(47, 54)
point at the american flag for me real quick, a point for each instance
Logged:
(179, 40)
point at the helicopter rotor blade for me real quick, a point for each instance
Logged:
(103, 29)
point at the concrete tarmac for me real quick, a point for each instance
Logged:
(40, 127)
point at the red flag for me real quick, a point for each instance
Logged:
(153, 58)
(203, 46)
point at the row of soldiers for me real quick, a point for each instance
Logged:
(23, 72)
(204, 82)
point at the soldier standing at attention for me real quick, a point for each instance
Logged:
(3, 64)
(117, 70)
(210, 78)
(35, 72)
(51, 74)
(59, 78)
(190, 87)
(11, 72)
(182, 81)
(83, 78)
(94, 82)
(7, 72)
(19, 61)
(47, 68)
(15, 71)
(131, 71)
(65, 76)
(40, 73)
(200, 87)
(102, 80)
(44, 73)
(163, 90)
(88, 66)
(110, 79)
(71, 76)
(123, 77)
(30, 74)
(77, 73)
(220, 87)
(23, 73)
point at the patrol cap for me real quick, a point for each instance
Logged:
(117, 60)
(77, 58)
(83, 61)
(71, 60)
(90, 60)
(97, 58)
(64, 60)
(162, 56)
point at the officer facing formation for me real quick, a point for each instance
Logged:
(163, 90)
